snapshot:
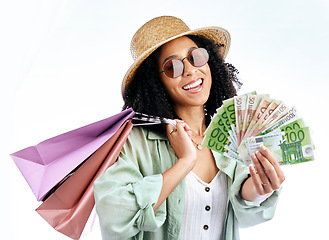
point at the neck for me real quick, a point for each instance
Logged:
(194, 117)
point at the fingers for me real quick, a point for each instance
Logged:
(181, 127)
(180, 140)
(261, 181)
(170, 129)
(256, 180)
(269, 173)
(268, 155)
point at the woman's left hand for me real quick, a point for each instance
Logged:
(265, 176)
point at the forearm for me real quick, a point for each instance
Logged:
(171, 178)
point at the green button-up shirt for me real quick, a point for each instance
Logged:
(127, 192)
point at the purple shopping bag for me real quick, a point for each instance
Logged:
(47, 163)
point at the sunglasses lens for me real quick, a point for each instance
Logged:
(198, 57)
(174, 68)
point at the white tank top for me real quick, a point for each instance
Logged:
(205, 208)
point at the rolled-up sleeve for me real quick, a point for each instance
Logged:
(125, 199)
(250, 213)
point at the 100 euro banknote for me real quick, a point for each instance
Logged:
(289, 146)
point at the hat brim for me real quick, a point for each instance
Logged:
(217, 34)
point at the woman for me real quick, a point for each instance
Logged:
(165, 185)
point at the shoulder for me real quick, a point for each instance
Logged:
(137, 133)
(151, 132)
(142, 137)
(145, 147)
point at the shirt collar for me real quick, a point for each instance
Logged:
(156, 135)
(225, 164)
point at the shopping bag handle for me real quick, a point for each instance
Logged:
(140, 119)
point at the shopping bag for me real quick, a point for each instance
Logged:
(68, 208)
(46, 164)
(62, 169)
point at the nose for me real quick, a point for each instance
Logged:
(189, 69)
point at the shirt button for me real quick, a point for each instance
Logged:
(207, 189)
(224, 165)
(205, 227)
(207, 208)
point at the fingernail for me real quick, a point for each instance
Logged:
(262, 147)
(253, 155)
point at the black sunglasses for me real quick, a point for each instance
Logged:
(174, 67)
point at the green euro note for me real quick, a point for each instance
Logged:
(215, 139)
(219, 122)
(295, 125)
(223, 116)
(289, 146)
(228, 127)
(272, 141)
(230, 111)
(298, 146)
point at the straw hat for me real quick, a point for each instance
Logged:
(161, 30)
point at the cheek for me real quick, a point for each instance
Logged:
(171, 90)
(167, 85)
(207, 72)
(164, 81)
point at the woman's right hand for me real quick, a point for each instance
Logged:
(180, 140)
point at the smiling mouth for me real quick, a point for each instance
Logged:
(194, 85)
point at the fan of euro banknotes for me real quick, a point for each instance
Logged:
(244, 123)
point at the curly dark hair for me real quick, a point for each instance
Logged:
(146, 93)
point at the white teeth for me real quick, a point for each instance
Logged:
(193, 85)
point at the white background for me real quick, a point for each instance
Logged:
(62, 63)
